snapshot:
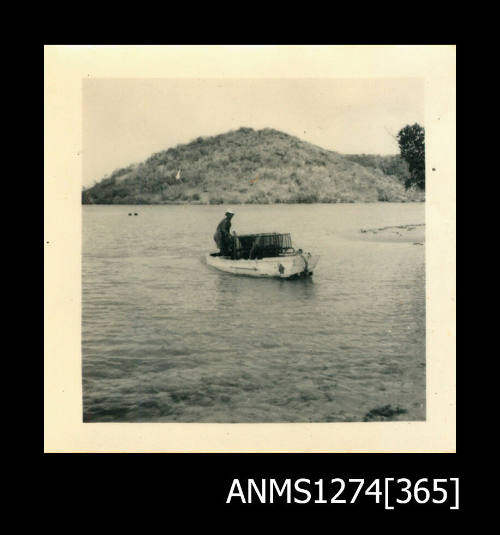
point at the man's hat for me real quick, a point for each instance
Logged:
(229, 212)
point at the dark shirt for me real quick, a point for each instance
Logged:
(222, 232)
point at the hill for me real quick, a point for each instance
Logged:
(254, 166)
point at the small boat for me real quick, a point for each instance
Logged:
(265, 255)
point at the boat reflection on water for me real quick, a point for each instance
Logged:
(237, 294)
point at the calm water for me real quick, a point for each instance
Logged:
(167, 338)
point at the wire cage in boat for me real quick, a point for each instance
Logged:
(261, 245)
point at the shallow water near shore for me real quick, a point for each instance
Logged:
(165, 338)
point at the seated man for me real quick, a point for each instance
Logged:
(222, 235)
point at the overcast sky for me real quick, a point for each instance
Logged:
(125, 121)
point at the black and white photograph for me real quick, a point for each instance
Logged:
(253, 249)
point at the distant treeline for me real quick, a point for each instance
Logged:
(254, 166)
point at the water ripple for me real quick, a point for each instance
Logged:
(166, 339)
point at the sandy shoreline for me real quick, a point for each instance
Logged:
(414, 233)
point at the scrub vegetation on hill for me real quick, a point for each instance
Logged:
(255, 166)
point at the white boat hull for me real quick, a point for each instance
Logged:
(282, 267)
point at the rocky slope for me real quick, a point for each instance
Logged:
(254, 166)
